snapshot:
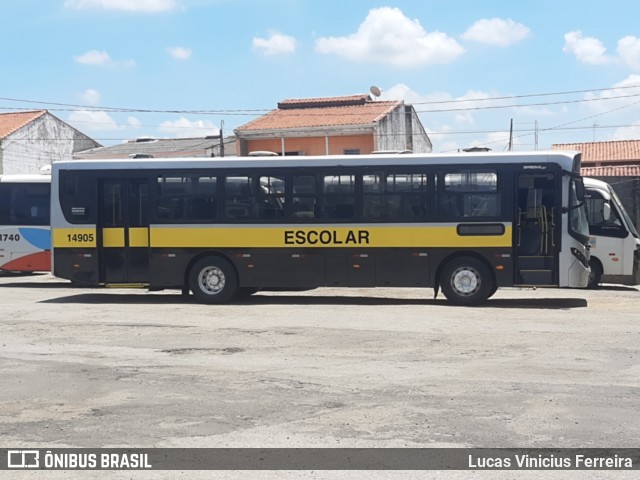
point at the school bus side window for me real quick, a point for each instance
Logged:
(305, 203)
(187, 198)
(338, 199)
(394, 196)
(469, 194)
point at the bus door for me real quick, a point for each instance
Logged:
(123, 231)
(537, 228)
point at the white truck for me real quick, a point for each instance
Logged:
(615, 244)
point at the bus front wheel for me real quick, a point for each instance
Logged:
(595, 275)
(466, 281)
(213, 280)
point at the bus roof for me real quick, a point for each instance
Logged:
(25, 178)
(566, 159)
(595, 183)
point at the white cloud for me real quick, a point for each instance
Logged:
(179, 53)
(276, 44)
(102, 59)
(93, 57)
(629, 51)
(187, 128)
(496, 31)
(591, 51)
(454, 122)
(387, 36)
(91, 97)
(145, 6)
(134, 122)
(587, 50)
(441, 100)
(631, 132)
(536, 112)
(400, 91)
(617, 96)
(465, 117)
(94, 121)
(627, 110)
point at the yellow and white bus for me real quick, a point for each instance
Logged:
(221, 228)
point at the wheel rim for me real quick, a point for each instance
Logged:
(465, 281)
(211, 280)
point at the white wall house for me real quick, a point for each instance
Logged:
(31, 140)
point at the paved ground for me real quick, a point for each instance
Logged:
(324, 368)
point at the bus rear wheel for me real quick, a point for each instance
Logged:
(466, 281)
(213, 280)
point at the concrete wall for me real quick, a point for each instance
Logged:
(421, 141)
(402, 130)
(39, 143)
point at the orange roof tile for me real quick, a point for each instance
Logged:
(623, 151)
(322, 112)
(324, 101)
(10, 122)
(611, 171)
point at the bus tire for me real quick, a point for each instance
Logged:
(213, 280)
(595, 276)
(466, 281)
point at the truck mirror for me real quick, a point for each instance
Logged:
(606, 211)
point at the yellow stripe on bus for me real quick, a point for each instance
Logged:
(113, 237)
(323, 236)
(139, 237)
(295, 236)
(73, 237)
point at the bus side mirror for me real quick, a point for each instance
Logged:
(606, 211)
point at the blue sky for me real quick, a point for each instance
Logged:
(121, 69)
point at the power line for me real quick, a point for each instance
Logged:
(391, 134)
(567, 123)
(93, 108)
(529, 95)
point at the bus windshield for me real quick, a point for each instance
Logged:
(578, 219)
(623, 213)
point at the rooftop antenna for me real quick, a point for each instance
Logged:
(375, 91)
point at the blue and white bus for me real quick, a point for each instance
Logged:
(25, 236)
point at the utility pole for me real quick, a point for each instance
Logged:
(221, 139)
(511, 136)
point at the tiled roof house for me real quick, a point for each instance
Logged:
(353, 124)
(618, 158)
(33, 139)
(164, 147)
